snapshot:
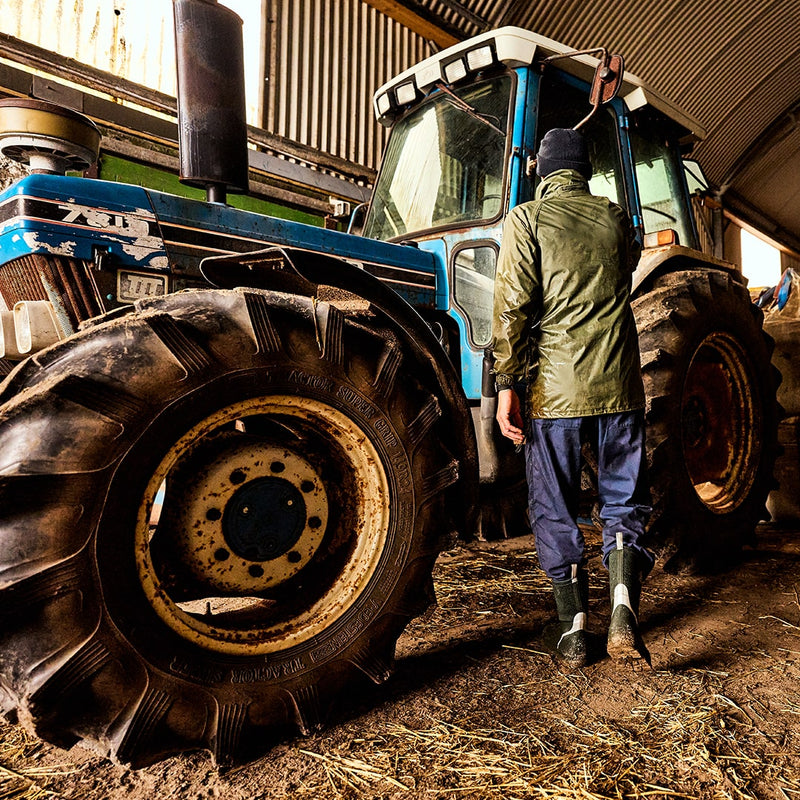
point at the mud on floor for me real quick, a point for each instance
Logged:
(477, 708)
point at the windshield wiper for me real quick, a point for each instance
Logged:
(462, 105)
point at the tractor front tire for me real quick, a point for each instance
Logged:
(219, 513)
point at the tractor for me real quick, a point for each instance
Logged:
(232, 446)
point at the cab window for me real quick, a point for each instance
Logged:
(562, 105)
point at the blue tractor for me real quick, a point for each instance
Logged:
(232, 446)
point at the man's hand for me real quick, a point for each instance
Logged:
(509, 416)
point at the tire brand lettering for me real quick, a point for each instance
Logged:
(403, 472)
(347, 634)
(197, 671)
(382, 426)
(312, 381)
(349, 396)
(268, 671)
(405, 521)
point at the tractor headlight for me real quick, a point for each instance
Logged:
(480, 57)
(384, 103)
(455, 71)
(406, 93)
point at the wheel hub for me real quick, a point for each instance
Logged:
(695, 421)
(264, 520)
(249, 519)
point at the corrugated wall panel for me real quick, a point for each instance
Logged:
(326, 59)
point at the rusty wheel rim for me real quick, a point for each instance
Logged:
(719, 423)
(253, 522)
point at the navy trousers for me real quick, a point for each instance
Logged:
(553, 461)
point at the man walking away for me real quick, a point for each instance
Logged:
(563, 326)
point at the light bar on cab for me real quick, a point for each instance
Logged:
(512, 47)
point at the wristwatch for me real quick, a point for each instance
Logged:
(503, 382)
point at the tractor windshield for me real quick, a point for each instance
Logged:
(444, 164)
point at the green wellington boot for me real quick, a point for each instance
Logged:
(625, 577)
(572, 603)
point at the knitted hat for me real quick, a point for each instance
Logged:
(563, 148)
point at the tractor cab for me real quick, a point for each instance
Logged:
(466, 124)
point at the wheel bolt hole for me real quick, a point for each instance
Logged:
(256, 571)
(277, 466)
(221, 554)
(238, 476)
(293, 557)
(213, 514)
(314, 522)
(307, 486)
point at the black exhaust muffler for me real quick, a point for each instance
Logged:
(212, 120)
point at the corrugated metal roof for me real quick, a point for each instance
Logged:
(732, 64)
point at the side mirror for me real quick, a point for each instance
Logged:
(607, 79)
(605, 84)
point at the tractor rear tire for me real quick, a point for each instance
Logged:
(711, 416)
(219, 513)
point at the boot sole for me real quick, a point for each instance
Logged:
(623, 646)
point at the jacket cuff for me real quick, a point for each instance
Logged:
(504, 382)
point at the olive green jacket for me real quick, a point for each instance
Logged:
(562, 315)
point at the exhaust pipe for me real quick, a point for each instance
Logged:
(212, 121)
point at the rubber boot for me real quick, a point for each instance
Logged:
(625, 578)
(572, 603)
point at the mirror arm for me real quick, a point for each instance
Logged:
(607, 77)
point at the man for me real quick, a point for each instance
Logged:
(563, 324)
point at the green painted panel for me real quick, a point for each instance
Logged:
(120, 170)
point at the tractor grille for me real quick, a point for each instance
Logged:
(65, 282)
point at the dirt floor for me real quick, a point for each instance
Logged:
(477, 708)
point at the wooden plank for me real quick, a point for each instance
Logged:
(422, 25)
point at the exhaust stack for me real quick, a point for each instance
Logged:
(212, 123)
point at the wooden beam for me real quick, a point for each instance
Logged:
(417, 20)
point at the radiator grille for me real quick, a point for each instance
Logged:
(65, 282)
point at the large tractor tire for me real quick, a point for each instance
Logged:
(219, 513)
(712, 415)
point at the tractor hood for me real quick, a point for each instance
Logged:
(119, 226)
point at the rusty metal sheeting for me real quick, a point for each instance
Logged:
(129, 38)
(325, 59)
